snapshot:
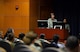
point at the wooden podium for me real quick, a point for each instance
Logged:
(63, 33)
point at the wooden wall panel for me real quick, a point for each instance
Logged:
(17, 19)
(23, 19)
(1, 14)
(46, 6)
(34, 13)
(16, 0)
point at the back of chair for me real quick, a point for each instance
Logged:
(6, 46)
(52, 49)
(21, 48)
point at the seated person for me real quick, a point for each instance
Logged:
(10, 30)
(29, 39)
(45, 43)
(71, 44)
(51, 20)
(55, 42)
(10, 40)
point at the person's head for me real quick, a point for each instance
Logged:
(52, 15)
(72, 42)
(65, 20)
(55, 38)
(42, 36)
(10, 30)
(30, 36)
(10, 37)
(21, 35)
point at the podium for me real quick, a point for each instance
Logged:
(49, 33)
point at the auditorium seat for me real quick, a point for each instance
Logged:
(21, 48)
(6, 46)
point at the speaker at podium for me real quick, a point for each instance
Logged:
(44, 24)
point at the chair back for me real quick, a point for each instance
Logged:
(6, 46)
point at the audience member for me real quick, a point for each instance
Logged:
(43, 40)
(30, 42)
(10, 30)
(56, 43)
(72, 44)
(20, 38)
(23, 44)
(10, 39)
(21, 35)
(29, 39)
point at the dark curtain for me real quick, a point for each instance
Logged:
(69, 9)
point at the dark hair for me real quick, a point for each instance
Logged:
(21, 35)
(55, 38)
(10, 30)
(72, 42)
(42, 36)
(10, 37)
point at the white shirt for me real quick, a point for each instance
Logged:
(50, 22)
